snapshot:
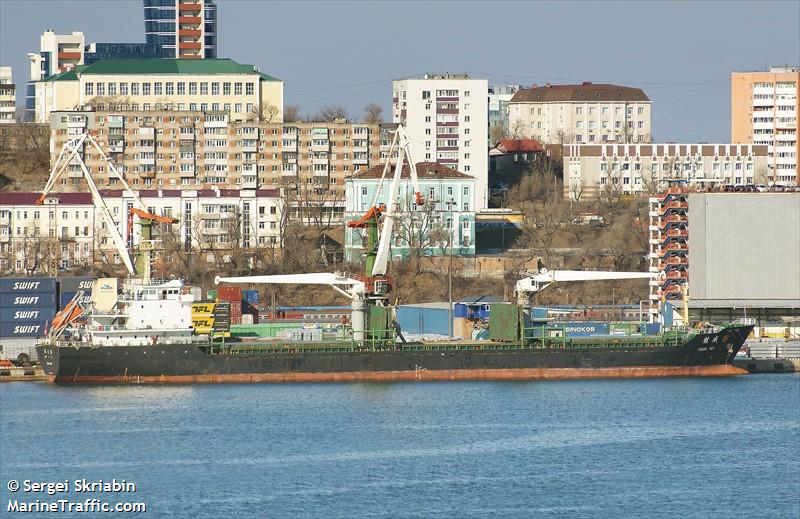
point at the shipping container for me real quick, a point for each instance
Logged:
(28, 285)
(460, 310)
(22, 329)
(236, 311)
(230, 293)
(40, 299)
(212, 294)
(25, 315)
(585, 329)
(251, 296)
(74, 284)
(653, 328)
(424, 319)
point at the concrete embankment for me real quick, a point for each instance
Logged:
(30, 374)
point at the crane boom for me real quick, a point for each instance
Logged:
(544, 278)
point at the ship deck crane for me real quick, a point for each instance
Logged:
(72, 150)
(542, 279)
(373, 287)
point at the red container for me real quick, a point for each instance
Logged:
(230, 294)
(236, 312)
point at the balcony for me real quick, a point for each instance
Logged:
(250, 182)
(196, 20)
(147, 161)
(189, 32)
(116, 148)
(192, 45)
(69, 55)
(249, 147)
(361, 161)
(190, 6)
(148, 174)
(187, 173)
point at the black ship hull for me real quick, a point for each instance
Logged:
(704, 354)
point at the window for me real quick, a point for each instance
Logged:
(640, 111)
(157, 89)
(226, 88)
(237, 89)
(579, 110)
(101, 89)
(123, 89)
(145, 89)
(215, 89)
(170, 88)
(249, 89)
(134, 89)
(181, 88)
(88, 89)
(112, 89)
(203, 89)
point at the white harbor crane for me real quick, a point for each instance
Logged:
(72, 150)
(373, 287)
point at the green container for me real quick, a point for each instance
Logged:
(504, 322)
(212, 294)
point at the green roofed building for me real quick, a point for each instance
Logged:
(242, 91)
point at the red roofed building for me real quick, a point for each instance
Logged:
(585, 113)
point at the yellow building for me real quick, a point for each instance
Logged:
(224, 85)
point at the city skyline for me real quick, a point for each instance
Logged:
(690, 90)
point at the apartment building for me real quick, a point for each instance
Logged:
(585, 113)
(633, 169)
(55, 236)
(8, 97)
(155, 84)
(67, 232)
(764, 110)
(499, 97)
(309, 161)
(446, 225)
(183, 29)
(446, 119)
(668, 239)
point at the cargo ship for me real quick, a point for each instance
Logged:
(144, 334)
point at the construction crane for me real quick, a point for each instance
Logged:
(372, 288)
(542, 279)
(71, 151)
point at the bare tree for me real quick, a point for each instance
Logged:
(331, 113)
(496, 134)
(373, 114)
(517, 130)
(291, 113)
(267, 112)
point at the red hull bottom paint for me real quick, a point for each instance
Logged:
(422, 375)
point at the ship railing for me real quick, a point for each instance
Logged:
(745, 321)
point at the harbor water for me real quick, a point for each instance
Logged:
(671, 448)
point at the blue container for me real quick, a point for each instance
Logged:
(418, 320)
(23, 329)
(539, 312)
(250, 296)
(21, 314)
(73, 284)
(666, 313)
(66, 297)
(587, 329)
(653, 328)
(15, 300)
(460, 310)
(28, 285)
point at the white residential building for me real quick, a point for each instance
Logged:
(67, 231)
(8, 96)
(585, 113)
(446, 119)
(635, 169)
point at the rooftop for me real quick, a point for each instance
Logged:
(519, 145)
(161, 66)
(425, 171)
(584, 92)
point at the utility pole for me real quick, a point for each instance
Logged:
(450, 289)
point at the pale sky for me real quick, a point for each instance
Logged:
(335, 52)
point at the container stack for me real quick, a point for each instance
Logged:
(250, 307)
(27, 306)
(233, 295)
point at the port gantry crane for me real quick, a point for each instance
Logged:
(72, 150)
(371, 289)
